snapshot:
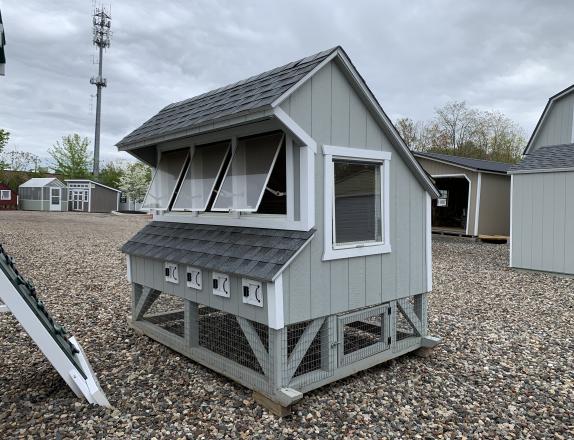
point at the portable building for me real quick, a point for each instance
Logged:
(8, 198)
(89, 196)
(542, 215)
(475, 195)
(43, 194)
(254, 265)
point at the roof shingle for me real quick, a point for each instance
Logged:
(547, 158)
(476, 164)
(256, 92)
(251, 252)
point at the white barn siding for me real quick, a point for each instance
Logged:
(329, 109)
(557, 126)
(543, 222)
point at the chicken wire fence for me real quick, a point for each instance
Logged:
(307, 351)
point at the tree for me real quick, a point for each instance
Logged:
(111, 174)
(71, 157)
(135, 181)
(16, 160)
(407, 128)
(4, 137)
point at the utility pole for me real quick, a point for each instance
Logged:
(102, 22)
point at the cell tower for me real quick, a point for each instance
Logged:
(102, 22)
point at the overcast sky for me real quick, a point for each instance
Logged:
(507, 55)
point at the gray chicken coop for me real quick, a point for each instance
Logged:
(291, 240)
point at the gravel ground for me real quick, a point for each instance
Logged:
(504, 369)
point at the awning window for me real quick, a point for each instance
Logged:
(248, 173)
(201, 176)
(165, 179)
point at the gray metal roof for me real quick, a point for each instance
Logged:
(250, 252)
(475, 164)
(254, 93)
(548, 158)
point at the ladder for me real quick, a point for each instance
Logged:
(62, 350)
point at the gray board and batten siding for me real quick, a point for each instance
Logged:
(328, 108)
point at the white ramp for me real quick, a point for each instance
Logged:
(62, 350)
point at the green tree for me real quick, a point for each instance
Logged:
(111, 174)
(16, 160)
(135, 181)
(71, 157)
(4, 137)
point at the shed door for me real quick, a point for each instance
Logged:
(55, 196)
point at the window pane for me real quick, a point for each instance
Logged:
(165, 179)
(247, 174)
(357, 203)
(201, 176)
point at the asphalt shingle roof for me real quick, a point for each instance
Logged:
(547, 158)
(254, 93)
(477, 164)
(250, 252)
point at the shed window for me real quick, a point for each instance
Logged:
(356, 202)
(248, 173)
(201, 176)
(5, 194)
(165, 179)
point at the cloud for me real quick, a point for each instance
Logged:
(509, 56)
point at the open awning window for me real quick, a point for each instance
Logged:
(201, 176)
(248, 173)
(166, 176)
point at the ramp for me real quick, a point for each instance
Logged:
(64, 352)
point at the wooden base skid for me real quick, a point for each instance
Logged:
(281, 365)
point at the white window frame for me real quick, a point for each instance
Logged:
(331, 250)
(3, 192)
(228, 170)
(179, 177)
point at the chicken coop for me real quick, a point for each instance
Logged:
(291, 240)
(43, 194)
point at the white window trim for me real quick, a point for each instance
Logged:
(332, 252)
(3, 192)
(179, 177)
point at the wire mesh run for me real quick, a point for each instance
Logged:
(363, 333)
(298, 341)
(222, 333)
(405, 318)
(167, 312)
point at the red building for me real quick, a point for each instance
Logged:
(8, 198)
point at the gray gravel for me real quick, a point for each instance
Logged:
(504, 369)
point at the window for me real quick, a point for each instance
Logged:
(248, 173)
(356, 202)
(5, 194)
(164, 181)
(201, 176)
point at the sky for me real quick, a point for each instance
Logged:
(509, 55)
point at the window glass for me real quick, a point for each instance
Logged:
(201, 175)
(248, 172)
(165, 178)
(5, 194)
(357, 203)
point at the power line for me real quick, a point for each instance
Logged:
(102, 21)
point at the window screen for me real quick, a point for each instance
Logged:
(357, 203)
(5, 194)
(200, 177)
(165, 178)
(248, 173)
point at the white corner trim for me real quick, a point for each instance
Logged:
(572, 136)
(477, 204)
(295, 128)
(330, 253)
(275, 313)
(129, 268)
(511, 210)
(428, 239)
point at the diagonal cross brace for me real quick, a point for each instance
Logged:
(301, 347)
(256, 345)
(408, 311)
(145, 301)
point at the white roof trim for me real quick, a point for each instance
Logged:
(543, 170)
(396, 139)
(95, 183)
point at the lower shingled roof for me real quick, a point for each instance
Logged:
(547, 158)
(250, 252)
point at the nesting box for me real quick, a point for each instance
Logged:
(291, 241)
